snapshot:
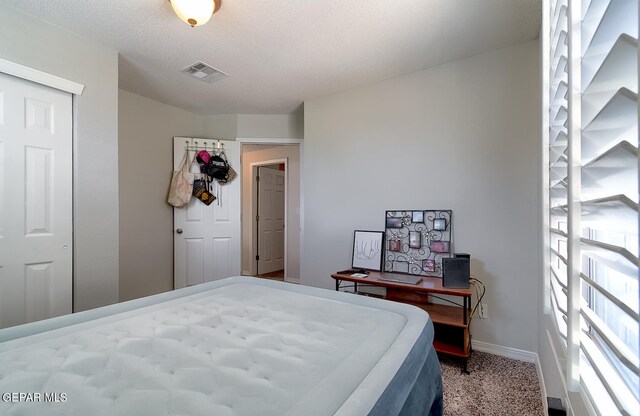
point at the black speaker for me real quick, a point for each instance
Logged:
(462, 255)
(455, 272)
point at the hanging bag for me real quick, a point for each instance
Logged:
(230, 177)
(218, 168)
(231, 173)
(201, 190)
(181, 186)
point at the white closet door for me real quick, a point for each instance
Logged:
(35, 202)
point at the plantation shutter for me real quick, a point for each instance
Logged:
(593, 196)
(558, 162)
(609, 201)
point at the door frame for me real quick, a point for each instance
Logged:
(254, 207)
(40, 77)
(281, 141)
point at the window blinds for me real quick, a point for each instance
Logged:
(593, 195)
(558, 162)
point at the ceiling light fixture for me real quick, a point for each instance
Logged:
(195, 12)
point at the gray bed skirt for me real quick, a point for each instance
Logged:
(416, 389)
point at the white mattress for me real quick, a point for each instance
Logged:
(240, 346)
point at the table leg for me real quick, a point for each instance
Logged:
(464, 309)
(355, 287)
(337, 285)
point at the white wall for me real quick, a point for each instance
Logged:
(259, 153)
(223, 126)
(461, 136)
(40, 45)
(230, 126)
(287, 126)
(146, 133)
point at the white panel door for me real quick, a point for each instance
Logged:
(270, 220)
(207, 238)
(35, 202)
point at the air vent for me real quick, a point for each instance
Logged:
(204, 72)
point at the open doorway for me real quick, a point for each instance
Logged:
(271, 211)
(270, 219)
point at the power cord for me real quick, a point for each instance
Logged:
(477, 285)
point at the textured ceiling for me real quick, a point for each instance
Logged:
(280, 53)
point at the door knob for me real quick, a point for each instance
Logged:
(179, 230)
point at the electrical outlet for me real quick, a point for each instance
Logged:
(483, 311)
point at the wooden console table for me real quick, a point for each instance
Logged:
(451, 323)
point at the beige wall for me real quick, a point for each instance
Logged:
(40, 45)
(146, 132)
(461, 136)
(258, 153)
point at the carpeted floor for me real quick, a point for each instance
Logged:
(277, 275)
(496, 386)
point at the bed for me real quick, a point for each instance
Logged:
(238, 346)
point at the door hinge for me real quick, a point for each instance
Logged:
(257, 218)
(257, 178)
(257, 257)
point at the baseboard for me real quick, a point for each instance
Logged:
(513, 353)
(543, 388)
(560, 370)
(292, 280)
(516, 354)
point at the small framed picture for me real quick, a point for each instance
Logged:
(417, 216)
(415, 239)
(395, 245)
(440, 224)
(367, 250)
(440, 246)
(429, 266)
(394, 222)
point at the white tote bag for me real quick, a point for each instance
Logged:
(181, 183)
